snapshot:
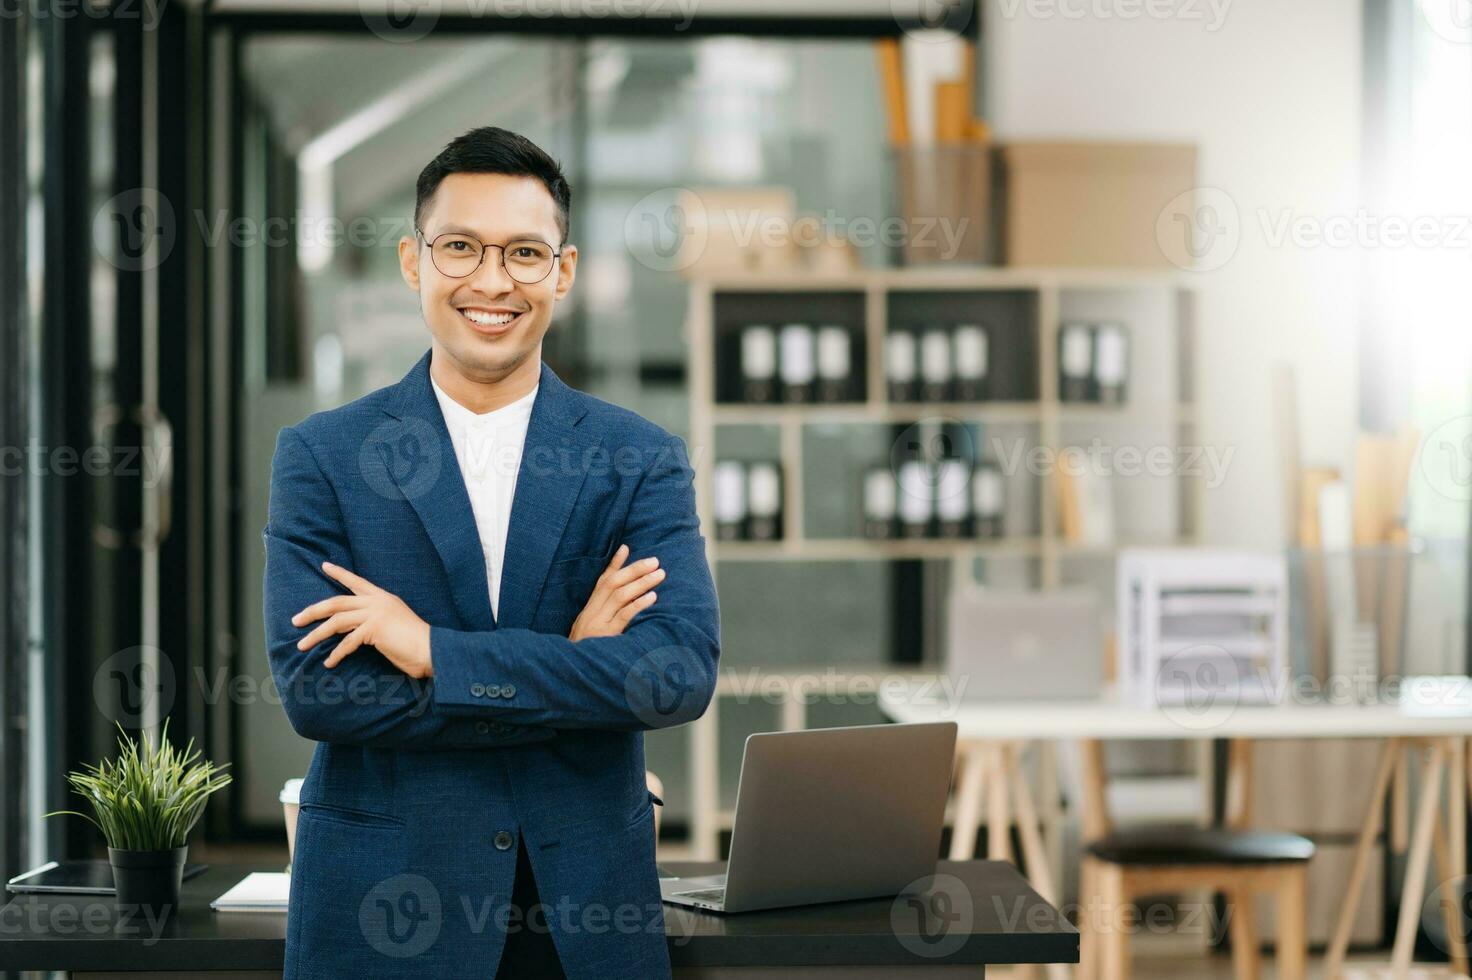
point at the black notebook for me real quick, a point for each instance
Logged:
(76, 877)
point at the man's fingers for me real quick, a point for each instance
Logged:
(349, 643)
(325, 608)
(630, 573)
(632, 609)
(616, 562)
(357, 583)
(336, 623)
(615, 575)
(638, 587)
(619, 583)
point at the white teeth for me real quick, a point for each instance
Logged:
(488, 319)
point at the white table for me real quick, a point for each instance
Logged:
(991, 736)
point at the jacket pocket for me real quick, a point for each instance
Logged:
(570, 584)
(578, 567)
(343, 814)
(643, 812)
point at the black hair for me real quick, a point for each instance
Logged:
(493, 150)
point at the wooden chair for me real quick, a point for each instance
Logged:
(1120, 866)
(1126, 865)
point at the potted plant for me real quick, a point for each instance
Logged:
(145, 803)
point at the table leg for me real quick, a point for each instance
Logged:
(1094, 807)
(1039, 872)
(1039, 875)
(1050, 813)
(966, 823)
(705, 787)
(1239, 783)
(1419, 858)
(1454, 874)
(1456, 825)
(1469, 777)
(1451, 920)
(1369, 829)
(998, 808)
(1114, 923)
(1095, 917)
(1088, 920)
(1400, 807)
(1246, 948)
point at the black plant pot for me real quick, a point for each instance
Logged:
(150, 879)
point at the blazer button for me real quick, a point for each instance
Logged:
(477, 690)
(508, 690)
(492, 691)
(481, 728)
(504, 840)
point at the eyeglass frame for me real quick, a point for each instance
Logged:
(486, 245)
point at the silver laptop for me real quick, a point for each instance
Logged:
(828, 815)
(1021, 645)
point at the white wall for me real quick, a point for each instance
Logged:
(1272, 99)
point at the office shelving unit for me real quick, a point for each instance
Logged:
(1024, 309)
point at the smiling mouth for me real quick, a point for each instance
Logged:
(488, 323)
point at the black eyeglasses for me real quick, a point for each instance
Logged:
(528, 261)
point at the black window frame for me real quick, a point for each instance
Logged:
(14, 420)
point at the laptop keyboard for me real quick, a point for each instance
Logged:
(704, 895)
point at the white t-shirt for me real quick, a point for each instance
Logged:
(488, 448)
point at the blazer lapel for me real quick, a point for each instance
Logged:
(420, 457)
(554, 463)
(418, 453)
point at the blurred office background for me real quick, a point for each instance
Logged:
(202, 203)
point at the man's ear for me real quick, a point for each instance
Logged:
(409, 261)
(567, 269)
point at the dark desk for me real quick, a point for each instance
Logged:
(978, 912)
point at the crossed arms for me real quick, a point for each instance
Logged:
(358, 666)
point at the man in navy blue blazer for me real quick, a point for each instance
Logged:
(481, 588)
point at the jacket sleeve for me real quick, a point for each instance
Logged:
(364, 700)
(660, 672)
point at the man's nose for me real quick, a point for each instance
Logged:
(491, 277)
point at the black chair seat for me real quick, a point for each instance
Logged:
(1200, 845)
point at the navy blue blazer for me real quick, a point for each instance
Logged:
(420, 791)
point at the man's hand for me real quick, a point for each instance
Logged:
(620, 594)
(372, 616)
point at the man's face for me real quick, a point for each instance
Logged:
(487, 323)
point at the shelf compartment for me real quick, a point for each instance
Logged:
(735, 311)
(1010, 317)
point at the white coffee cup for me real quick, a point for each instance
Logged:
(291, 801)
